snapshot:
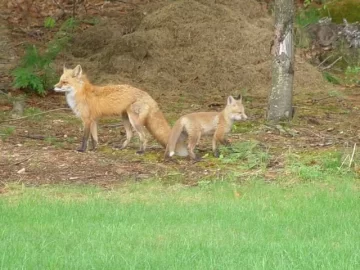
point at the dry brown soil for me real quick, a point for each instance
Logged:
(189, 55)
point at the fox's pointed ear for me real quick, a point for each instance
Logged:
(230, 100)
(77, 72)
(239, 97)
(64, 68)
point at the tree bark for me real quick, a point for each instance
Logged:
(280, 98)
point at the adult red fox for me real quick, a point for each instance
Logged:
(136, 107)
(194, 125)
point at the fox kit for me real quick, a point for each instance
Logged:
(194, 125)
(136, 107)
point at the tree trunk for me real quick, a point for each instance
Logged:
(280, 98)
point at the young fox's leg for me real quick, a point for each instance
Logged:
(85, 139)
(214, 148)
(138, 113)
(140, 129)
(219, 136)
(128, 130)
(194, 139)
(94, 134)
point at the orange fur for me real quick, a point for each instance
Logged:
(194, 125)
(136, 107)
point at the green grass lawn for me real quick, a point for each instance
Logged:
(219, 225)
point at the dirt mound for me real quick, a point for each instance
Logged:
(197, 47)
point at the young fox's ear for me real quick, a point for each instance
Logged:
(77, 72)
(239, 97)
(230, 100)
(64, 68)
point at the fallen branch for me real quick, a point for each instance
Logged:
(317, 135)
(345, 159)
(18, 162)
(333, 63)
(352, 155)
(36, 114)
(351, 159)
(35, 137)
(320, 99)
(324, 61)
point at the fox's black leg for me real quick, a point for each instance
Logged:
(139, 127)
(93, 143)
(216, 153)
(94, 135)
(85, 139)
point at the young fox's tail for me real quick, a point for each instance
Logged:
(173, 139)
(158, 127)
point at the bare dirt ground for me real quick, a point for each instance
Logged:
(189, 55)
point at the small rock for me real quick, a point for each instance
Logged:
(120, 171)
(18, 109)
(21, 171)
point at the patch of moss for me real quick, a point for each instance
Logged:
(307, 16)
(106, 150)
(69, 118)
(243, 127)
(152, 156)
(345, 9)
(6, 132)
(173, 177)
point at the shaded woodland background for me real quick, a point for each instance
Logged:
(193, 47)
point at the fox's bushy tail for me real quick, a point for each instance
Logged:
(160, 129)
(174, 145)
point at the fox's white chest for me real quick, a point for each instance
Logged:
(71, 101)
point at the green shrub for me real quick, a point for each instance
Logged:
(342, 9)
(249, 154)
(352, 75)
(307, 16)
(49, 22)
(35, 71)
(6, 132)
(331, 78)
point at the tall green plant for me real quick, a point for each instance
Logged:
(352, 75)
(34, 71)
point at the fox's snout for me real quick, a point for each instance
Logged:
(60, 87)
(239, 116)
(56, 86)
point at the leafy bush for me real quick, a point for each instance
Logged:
(352, 75)
(331, 78)
(307, 16)
(35, 71)
(249, 154)
(342, 9)
(49, 22)
(6, 132)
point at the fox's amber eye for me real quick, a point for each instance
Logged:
(64, 82)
